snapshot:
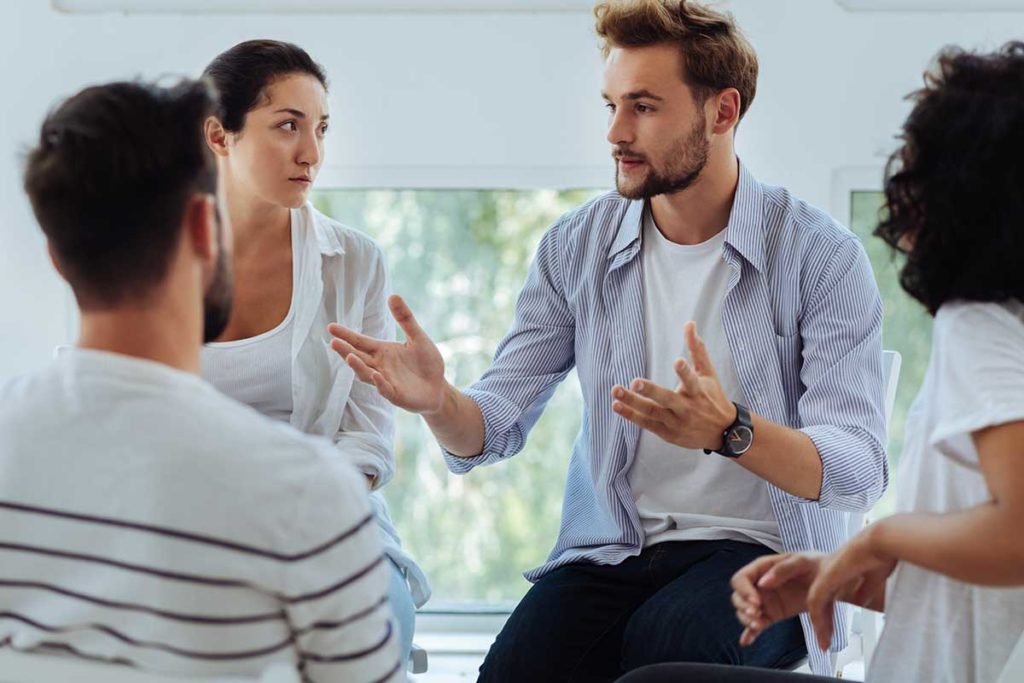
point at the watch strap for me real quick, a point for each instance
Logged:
(742, 420)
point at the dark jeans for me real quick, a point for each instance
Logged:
(715, 673)
(588, 622)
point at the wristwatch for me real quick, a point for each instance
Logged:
(737, 437)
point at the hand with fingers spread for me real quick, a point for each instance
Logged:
(771, 589)
(694, 415)
(409, 374)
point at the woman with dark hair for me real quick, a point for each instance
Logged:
(948, 568)
(295, 271)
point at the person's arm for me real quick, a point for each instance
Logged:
(697, 412)
(784, 457)
(458, 424)
(773, 588)
(836, 457)
(981, 545)
(842, 409)
(489, 421)
(335, 586)
(410, 375)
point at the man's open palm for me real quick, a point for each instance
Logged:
(409, 374)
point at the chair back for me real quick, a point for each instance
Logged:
(1013, 672)
(891, 363)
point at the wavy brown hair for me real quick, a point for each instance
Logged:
(715, 54)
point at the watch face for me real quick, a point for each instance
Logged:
(739, 439)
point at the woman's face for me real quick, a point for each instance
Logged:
(278, 152)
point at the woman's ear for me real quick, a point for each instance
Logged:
(216, 136)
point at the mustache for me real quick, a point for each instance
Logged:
(620, 153)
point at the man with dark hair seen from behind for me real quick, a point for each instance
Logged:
(145, 518)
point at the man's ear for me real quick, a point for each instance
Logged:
(727, 111)
(200, 226)
(216, 136)
(54, 260)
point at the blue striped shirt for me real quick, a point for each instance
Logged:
(803, 317)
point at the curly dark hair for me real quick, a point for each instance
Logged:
(955, 190)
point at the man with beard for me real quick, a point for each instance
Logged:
(146, 519)
(766, 438)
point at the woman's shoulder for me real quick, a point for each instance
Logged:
(972, 319)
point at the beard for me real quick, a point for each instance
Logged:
(687, 156)
(219, 295)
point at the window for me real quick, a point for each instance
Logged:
(906, 327)
(459, 257)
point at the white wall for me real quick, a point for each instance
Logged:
(457, 99)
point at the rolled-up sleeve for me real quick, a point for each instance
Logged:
(530, 362)
(842, 407)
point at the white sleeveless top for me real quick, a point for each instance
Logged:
(257, 371)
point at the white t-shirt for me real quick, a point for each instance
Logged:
(685, 494)
(938, 629)
(146, 518)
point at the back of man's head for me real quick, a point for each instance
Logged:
(109, 181)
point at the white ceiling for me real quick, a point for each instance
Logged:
(339, 6)
(315, 6)
(932, 5)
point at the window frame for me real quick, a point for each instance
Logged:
(847, 180)
(470, 177)
(462, 628)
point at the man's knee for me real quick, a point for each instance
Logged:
(531, 646)
(653, 637)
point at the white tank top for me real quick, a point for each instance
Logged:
(257, 371)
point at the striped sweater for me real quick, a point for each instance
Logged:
(146, 519)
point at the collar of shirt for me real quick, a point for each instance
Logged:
(327, 241)
(744, 233)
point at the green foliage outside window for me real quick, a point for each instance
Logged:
(459, 257)
(906, 327)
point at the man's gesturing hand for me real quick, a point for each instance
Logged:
(695, 415)
(409, 374)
